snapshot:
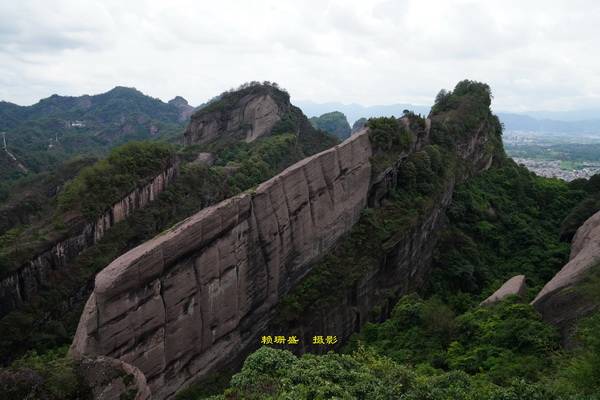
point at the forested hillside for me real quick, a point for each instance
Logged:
(57, 128)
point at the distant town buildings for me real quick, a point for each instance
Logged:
(552, 169)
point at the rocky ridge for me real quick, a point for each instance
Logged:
(562, 301)
(196, 297)
(19, 286)
(187, 301)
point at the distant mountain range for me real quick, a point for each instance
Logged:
(521, 122)
(570, 122)
(59, 127)
(354, 111)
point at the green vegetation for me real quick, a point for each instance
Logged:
(441, 344)
(377, 231)
(502, 223)
(334, 123)
(574, 153)
(50, 376)
(228, 99)
(42, 136)
(584, 209)
(389, 140)
(99, 186)
(444, 346)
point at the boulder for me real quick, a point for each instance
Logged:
(560, 301)
(514, 286)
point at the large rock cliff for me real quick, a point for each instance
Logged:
(17, 287)
(564, 299)
(199, 296)
(187, 301)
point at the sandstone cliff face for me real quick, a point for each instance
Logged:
(560, 302)
(19, 286)
(189, 300)
(198, 296)
(404, 267)
(249, 117)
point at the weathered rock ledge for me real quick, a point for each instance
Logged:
(19, 286)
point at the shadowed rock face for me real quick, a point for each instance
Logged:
(560, 302)
(246, 117)
(192, 298)
(513, 286)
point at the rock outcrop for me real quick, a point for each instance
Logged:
(246, 114)
(18, 287)
(198, 296)
(184, 108)
(107, 379)
(515, 286)
(189, 300)
(562, 300)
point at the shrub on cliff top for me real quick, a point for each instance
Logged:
(99, 186)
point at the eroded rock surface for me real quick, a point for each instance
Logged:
(190, 299)
(198, 296)
(514, 286)
(562, 301)
(17, 287)
(246, 117)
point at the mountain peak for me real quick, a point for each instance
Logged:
(178, 101)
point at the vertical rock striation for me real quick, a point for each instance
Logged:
(19, 286)
(187, 301)
(196, 297)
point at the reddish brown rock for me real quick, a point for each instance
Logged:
(181, 303)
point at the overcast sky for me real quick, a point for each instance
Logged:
(534, 54)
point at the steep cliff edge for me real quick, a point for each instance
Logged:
(192, 298)
(199, 295)
(571, 294)
(17, 287)
(48, 313)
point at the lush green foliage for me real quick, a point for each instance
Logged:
(97, 187)
(501, 342)
(585, 209)
(278, 374)
(50, 376)
(502, 223)
(334, 123)
(110, 119)
(390, 139)
(377, 230)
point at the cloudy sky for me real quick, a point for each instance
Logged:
(536, 55)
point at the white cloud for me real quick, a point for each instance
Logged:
(535, 55)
